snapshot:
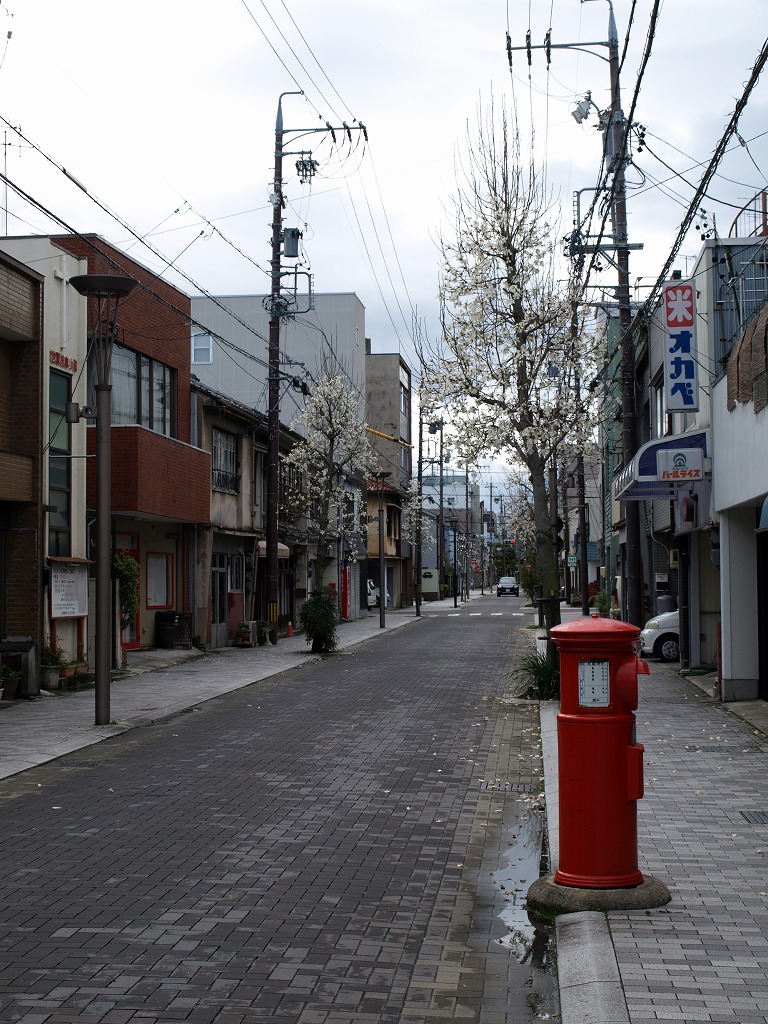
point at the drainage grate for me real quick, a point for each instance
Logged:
(505, 787)
(756, 817)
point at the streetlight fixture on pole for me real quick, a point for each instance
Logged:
(105, 290)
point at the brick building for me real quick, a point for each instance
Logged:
(21, 291)
(160, 481)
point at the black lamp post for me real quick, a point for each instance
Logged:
(105, 290)
(381, 476)
(455, 524)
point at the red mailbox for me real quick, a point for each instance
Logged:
(600, 765)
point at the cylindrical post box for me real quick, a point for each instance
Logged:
(599, 761)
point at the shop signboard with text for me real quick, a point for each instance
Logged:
(681, 376)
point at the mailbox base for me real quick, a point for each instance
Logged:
(547, 895)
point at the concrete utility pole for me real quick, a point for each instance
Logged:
(635, 611)
(620, 243)
(279, 308)
(273, 399)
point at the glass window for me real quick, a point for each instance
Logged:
(659, 410)
(225, 476)
(124, 392)
(59, 467)
(202, 348)
(143, 391)
(159, 580)
(236, 572)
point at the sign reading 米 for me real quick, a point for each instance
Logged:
(681, 378)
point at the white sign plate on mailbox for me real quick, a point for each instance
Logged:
(594, 684)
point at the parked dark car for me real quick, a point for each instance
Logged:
(507, 585)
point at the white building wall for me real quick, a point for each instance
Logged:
(739, 604)
(333, 333)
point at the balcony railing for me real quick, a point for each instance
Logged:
(223, 481)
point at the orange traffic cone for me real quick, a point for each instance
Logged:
(289, 631)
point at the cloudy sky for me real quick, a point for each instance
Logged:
(165, 111)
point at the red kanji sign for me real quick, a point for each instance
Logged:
(679, 305)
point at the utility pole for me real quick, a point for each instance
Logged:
(616, 135)
(279, 308)
(628, 402)
(273, 399)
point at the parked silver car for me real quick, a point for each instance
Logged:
(661, 636)
(373, 595)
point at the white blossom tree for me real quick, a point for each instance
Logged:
(512, 347)
(335, 449)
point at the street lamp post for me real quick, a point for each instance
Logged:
(381, 476)
(105, 290)
(455, 525)
(434, 427)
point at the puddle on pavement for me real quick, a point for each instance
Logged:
(529, 939)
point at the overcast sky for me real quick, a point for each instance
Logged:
(165, 111)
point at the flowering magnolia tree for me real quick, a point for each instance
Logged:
(415, 517)
(513, 348)
(335, 448)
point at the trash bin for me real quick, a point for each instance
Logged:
(165, 628)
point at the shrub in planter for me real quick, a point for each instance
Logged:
(318, 619)
(602, 602)
(51, 656)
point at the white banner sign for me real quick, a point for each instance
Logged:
(680, 464)
(681, 377)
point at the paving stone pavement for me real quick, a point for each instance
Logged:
(704, 957)
(124, 899)
(327, 846)
(703, 830)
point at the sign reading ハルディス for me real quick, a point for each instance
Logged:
(681, 377)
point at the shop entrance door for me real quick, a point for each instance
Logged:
(219, 627)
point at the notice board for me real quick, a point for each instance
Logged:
(69, 591)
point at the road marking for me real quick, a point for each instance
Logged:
(474, 613)
(453, 615)
(497, 613)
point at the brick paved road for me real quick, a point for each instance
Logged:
(313, 849)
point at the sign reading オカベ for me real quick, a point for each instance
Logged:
(681, 378)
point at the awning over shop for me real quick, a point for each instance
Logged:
(661, 467)
(282, 550)
(355, 544)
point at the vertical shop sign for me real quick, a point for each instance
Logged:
(681, 376)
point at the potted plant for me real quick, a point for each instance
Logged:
(318, 618)
(81, 664)
(243, 635)
(52, 661)
(602, 603)
(11, 680)
(263, 628)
